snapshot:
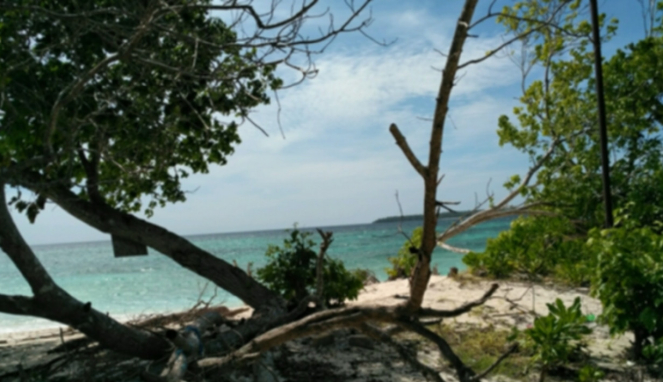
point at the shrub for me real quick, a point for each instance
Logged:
(629, 282)
(366, 276)
(406, 259)
(653, 353)
(556, 337)
(291, 272)
(536, 247)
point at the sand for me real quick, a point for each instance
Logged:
(509, 306)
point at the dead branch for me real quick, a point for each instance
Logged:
(451, 248)
(498, 210)
(428, 312)
(463, 371)
(497, 362)
(402, 143)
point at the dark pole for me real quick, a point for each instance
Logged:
(598, 70)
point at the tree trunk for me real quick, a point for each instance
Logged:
(53, 303)
(421, 273)
(107, 219)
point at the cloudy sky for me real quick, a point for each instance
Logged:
(338, 164)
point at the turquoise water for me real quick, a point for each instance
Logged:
(126, 287)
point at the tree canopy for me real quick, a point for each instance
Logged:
(122, 100)
(559, 111)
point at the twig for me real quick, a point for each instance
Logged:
(497, 362)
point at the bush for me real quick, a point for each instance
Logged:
(629, 282)
(556, 337)
(366, 276)
(291, 272)
(406, 259)
(536, 247)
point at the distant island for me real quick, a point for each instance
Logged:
(392, 219)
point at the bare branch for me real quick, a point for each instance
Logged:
(498, 210)
(464, 373)
(429, 312)
(451, 248)
(254, 14)
(492, 52)
(402, 143)
(497, 362)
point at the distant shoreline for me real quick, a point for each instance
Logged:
(395, 219)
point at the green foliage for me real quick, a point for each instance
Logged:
(653, 353)
(535, 246)
(365, 275)
(590, 374)
(560, 107)
(629, 280)
(556, 337)
(143, 119)
(291, 271)
(406, 259)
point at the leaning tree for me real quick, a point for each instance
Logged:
(105, 106)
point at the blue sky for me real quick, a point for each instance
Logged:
(338, 163)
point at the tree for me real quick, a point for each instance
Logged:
(556, 124)
(558, 115)
(106, 106)
(558, 119)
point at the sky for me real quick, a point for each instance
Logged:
(338, 163)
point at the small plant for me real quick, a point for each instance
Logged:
(556, 337)
(629, 282)
(406, 259)
(291, 271)
(653, 353)
(590, 374)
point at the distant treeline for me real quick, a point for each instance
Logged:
(443, 215)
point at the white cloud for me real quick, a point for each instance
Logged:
(338, 163)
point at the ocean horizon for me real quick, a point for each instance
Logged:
(129, 287)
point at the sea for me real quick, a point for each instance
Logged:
(131, 287)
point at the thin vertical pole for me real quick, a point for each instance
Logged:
(605, 162)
